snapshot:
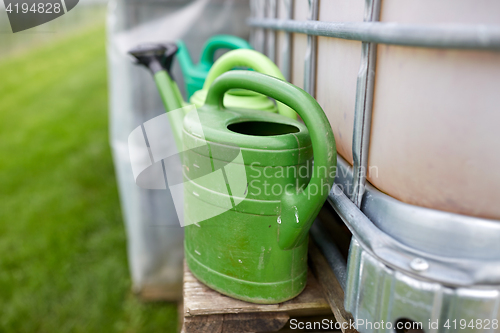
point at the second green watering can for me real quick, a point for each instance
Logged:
(194, 75)
(251, 191)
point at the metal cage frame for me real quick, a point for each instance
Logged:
(433, 257)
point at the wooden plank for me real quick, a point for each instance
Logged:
(203, 324)
(231, 323)
(165, 292)
(254, 322)
(331, 287)
(201, 300)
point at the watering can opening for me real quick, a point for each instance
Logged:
(243, 98)
(262, 128)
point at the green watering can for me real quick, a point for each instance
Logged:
(251, 192)
(238, 98)
(194, 75)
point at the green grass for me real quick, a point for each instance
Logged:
(63, 264)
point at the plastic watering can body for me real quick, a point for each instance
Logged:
(194, 75)
(238, 98)
(246, 234)
(251, 191)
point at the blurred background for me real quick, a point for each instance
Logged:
(64, 265)
(83, 248)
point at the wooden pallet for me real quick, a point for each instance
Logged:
(206, 310)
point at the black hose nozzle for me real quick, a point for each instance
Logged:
(156, 57)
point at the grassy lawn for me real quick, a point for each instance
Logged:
(63, 264)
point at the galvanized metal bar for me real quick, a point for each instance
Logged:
(253, 14)
(363, 107)
(310, 58)
(272, 12)
(286, 51)
(450, 36)
(451, 271)
(330, 251)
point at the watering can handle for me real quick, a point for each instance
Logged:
(250, 59)
(221, 42)
(298, 208)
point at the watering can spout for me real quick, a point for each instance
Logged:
(158, 58)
